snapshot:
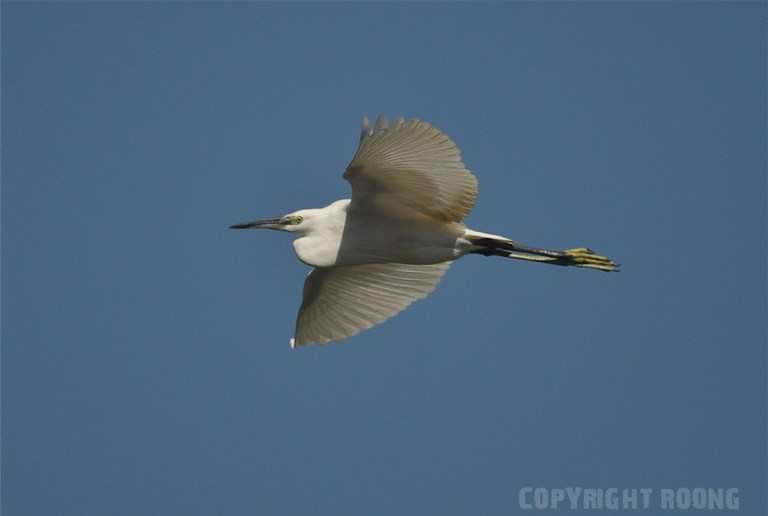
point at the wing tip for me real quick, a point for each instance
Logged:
(381, 122)
(365, 131)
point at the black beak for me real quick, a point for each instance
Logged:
(263, 223)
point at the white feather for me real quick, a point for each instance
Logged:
(410, 168)
(342, 301)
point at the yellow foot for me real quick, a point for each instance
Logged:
(583, 257)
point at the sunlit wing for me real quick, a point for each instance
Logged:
(342, 301)
(410, 169)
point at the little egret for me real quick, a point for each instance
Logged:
(388, 246)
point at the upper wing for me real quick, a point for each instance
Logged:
(410, 168)
(342, 301)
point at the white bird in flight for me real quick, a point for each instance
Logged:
(388, 246)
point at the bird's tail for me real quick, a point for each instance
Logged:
(495, 245)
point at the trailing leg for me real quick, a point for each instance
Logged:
(493, 245)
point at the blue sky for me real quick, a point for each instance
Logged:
(146, 367)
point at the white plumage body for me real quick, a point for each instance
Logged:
(350, 238)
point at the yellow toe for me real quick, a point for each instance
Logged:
(585, 257)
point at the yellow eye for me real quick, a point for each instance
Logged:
(292, 220)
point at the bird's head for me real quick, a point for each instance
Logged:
(296, 222)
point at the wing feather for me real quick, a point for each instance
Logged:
(410, 168)
(342, 301)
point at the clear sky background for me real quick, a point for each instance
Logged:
(146, 367)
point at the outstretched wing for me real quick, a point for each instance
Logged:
(410, 169)
(342, 301)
